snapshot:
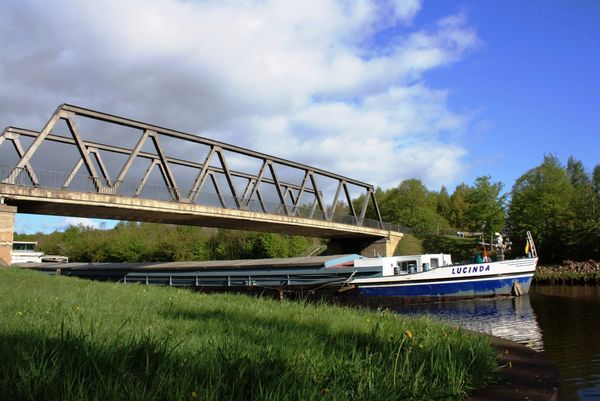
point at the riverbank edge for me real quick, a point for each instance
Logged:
(525, 375)
(570, 279)
(585, 272)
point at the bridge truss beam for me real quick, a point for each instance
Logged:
(288, 193)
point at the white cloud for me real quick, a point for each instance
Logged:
(321, 82)
(382, 139)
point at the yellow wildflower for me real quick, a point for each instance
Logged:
(408, 333)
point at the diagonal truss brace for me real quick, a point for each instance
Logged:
(14, 138)
(150, 156)
(289, 194)
(132, 156)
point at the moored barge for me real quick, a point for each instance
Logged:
(411, 278)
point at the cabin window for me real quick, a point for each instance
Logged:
(408, 266)
(400, 268)
(434, 263)
(23, 247)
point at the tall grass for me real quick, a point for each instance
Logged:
(69, 339)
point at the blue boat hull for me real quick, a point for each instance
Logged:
(459, 289)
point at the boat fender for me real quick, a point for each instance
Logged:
(517, 290)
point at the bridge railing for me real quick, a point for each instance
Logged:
(81, 183)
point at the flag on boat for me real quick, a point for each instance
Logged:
(527, 248)
(485, 256)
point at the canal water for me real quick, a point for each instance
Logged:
(563, 322)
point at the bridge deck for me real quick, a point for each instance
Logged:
(67, 203)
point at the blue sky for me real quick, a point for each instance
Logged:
(443, 91)
(534, 83)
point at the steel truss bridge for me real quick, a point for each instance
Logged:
(92, 164)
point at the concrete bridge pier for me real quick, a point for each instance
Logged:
(7, 226)
(368, 247)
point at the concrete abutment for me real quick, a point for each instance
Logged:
(383, 247)
(7, 226)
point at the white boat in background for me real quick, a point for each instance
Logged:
(25, 252)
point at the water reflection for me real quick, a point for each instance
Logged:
(570, 321)
(561, 321)
(510, 318)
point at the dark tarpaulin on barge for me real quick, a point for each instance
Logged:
(212, 268)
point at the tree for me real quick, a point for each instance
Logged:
(269, 245)
(444, 205)
(412, 205)
(596, 180)
(485, 206)
(459, 206)
(152, 242)
(540, 203)
(583, 228)
(370, 213)
(576, 173)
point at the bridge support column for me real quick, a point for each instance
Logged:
(7, 227)
(370, 248)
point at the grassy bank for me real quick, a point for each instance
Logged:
(568, 273)
(67, 339)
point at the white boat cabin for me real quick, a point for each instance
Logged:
(24, 252)
(409, 264)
